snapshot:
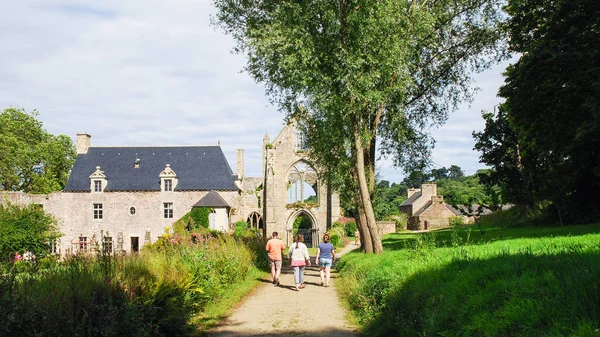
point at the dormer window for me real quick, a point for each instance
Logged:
(136, 163)
(98, 181)
(168, 179)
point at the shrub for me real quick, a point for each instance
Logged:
(350, 228)
(240, 228)
(155, 293)
(401, 221)
(456, 220)
(334, 239)
(25, 228)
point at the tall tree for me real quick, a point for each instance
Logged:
(31, 159)
(373, 69)
(552, 107)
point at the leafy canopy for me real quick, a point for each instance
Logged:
(31, 159)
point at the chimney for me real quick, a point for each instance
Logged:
(428, 190)
(412, 191)
(83, 143)
(240, 163)
(437, 198)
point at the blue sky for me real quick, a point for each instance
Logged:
(156, 73)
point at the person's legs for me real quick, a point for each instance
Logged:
(272, 262)
(278, 265)
(302, 276)
(297, 277)
(322, 270)
(327, 274)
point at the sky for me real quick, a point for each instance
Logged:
(151, 73)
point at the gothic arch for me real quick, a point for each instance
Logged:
(300, 175)
(255, 220)
(310, 235)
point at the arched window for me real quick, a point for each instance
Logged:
(302, 184)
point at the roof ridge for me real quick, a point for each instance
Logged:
(125, 146)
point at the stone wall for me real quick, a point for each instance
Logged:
(386, 227)
(75, 212)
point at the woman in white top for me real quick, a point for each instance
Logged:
(299, 258)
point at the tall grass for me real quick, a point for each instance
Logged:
(155, 293)
(456, 283)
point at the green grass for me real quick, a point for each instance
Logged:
(457, 282)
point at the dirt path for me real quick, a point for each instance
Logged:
(282, 311)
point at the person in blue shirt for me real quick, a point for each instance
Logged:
(325, 258)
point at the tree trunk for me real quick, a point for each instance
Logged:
(365, 197)
(365, 236)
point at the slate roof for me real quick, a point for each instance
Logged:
(412, 199)
(212, 199)
(197, 168)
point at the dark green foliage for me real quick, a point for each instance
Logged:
(350, 228)
(198, 217)
(388, 198)
(544, 138)
(25, 228)
(32, 160)
(334, 239)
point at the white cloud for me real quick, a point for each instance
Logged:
(156, 73)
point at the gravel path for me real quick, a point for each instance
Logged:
(281, 311)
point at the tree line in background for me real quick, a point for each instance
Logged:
(543, 142)
(452, 184)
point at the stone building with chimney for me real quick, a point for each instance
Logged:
(426, 209)
(128, 196)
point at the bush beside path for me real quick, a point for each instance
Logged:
(280, 310)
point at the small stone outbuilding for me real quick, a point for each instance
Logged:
(426, 209)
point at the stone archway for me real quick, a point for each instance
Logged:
(291, 185)
(309, 228)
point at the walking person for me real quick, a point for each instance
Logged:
(299, 258)
(325, 258)
(275, 247)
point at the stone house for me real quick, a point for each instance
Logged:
(129, 196)
(426, 209)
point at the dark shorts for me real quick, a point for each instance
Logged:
(276, 263)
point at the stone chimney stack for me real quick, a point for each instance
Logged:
(240, 163)
(412, 191)
(428, 190)
(83, 143)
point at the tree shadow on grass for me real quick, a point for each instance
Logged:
(522, 294)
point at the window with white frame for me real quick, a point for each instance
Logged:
(83, 243)
(168, 210)
(54, 247)
(168, 185)
(97, 185)
(107, 244)
(97, 211)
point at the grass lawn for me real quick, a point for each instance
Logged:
(457, 282)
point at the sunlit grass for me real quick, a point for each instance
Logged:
(532, 282)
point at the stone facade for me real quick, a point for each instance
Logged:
(426, 209)
(133, 218)
(284, 158)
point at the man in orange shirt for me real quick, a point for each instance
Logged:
(274, 247)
